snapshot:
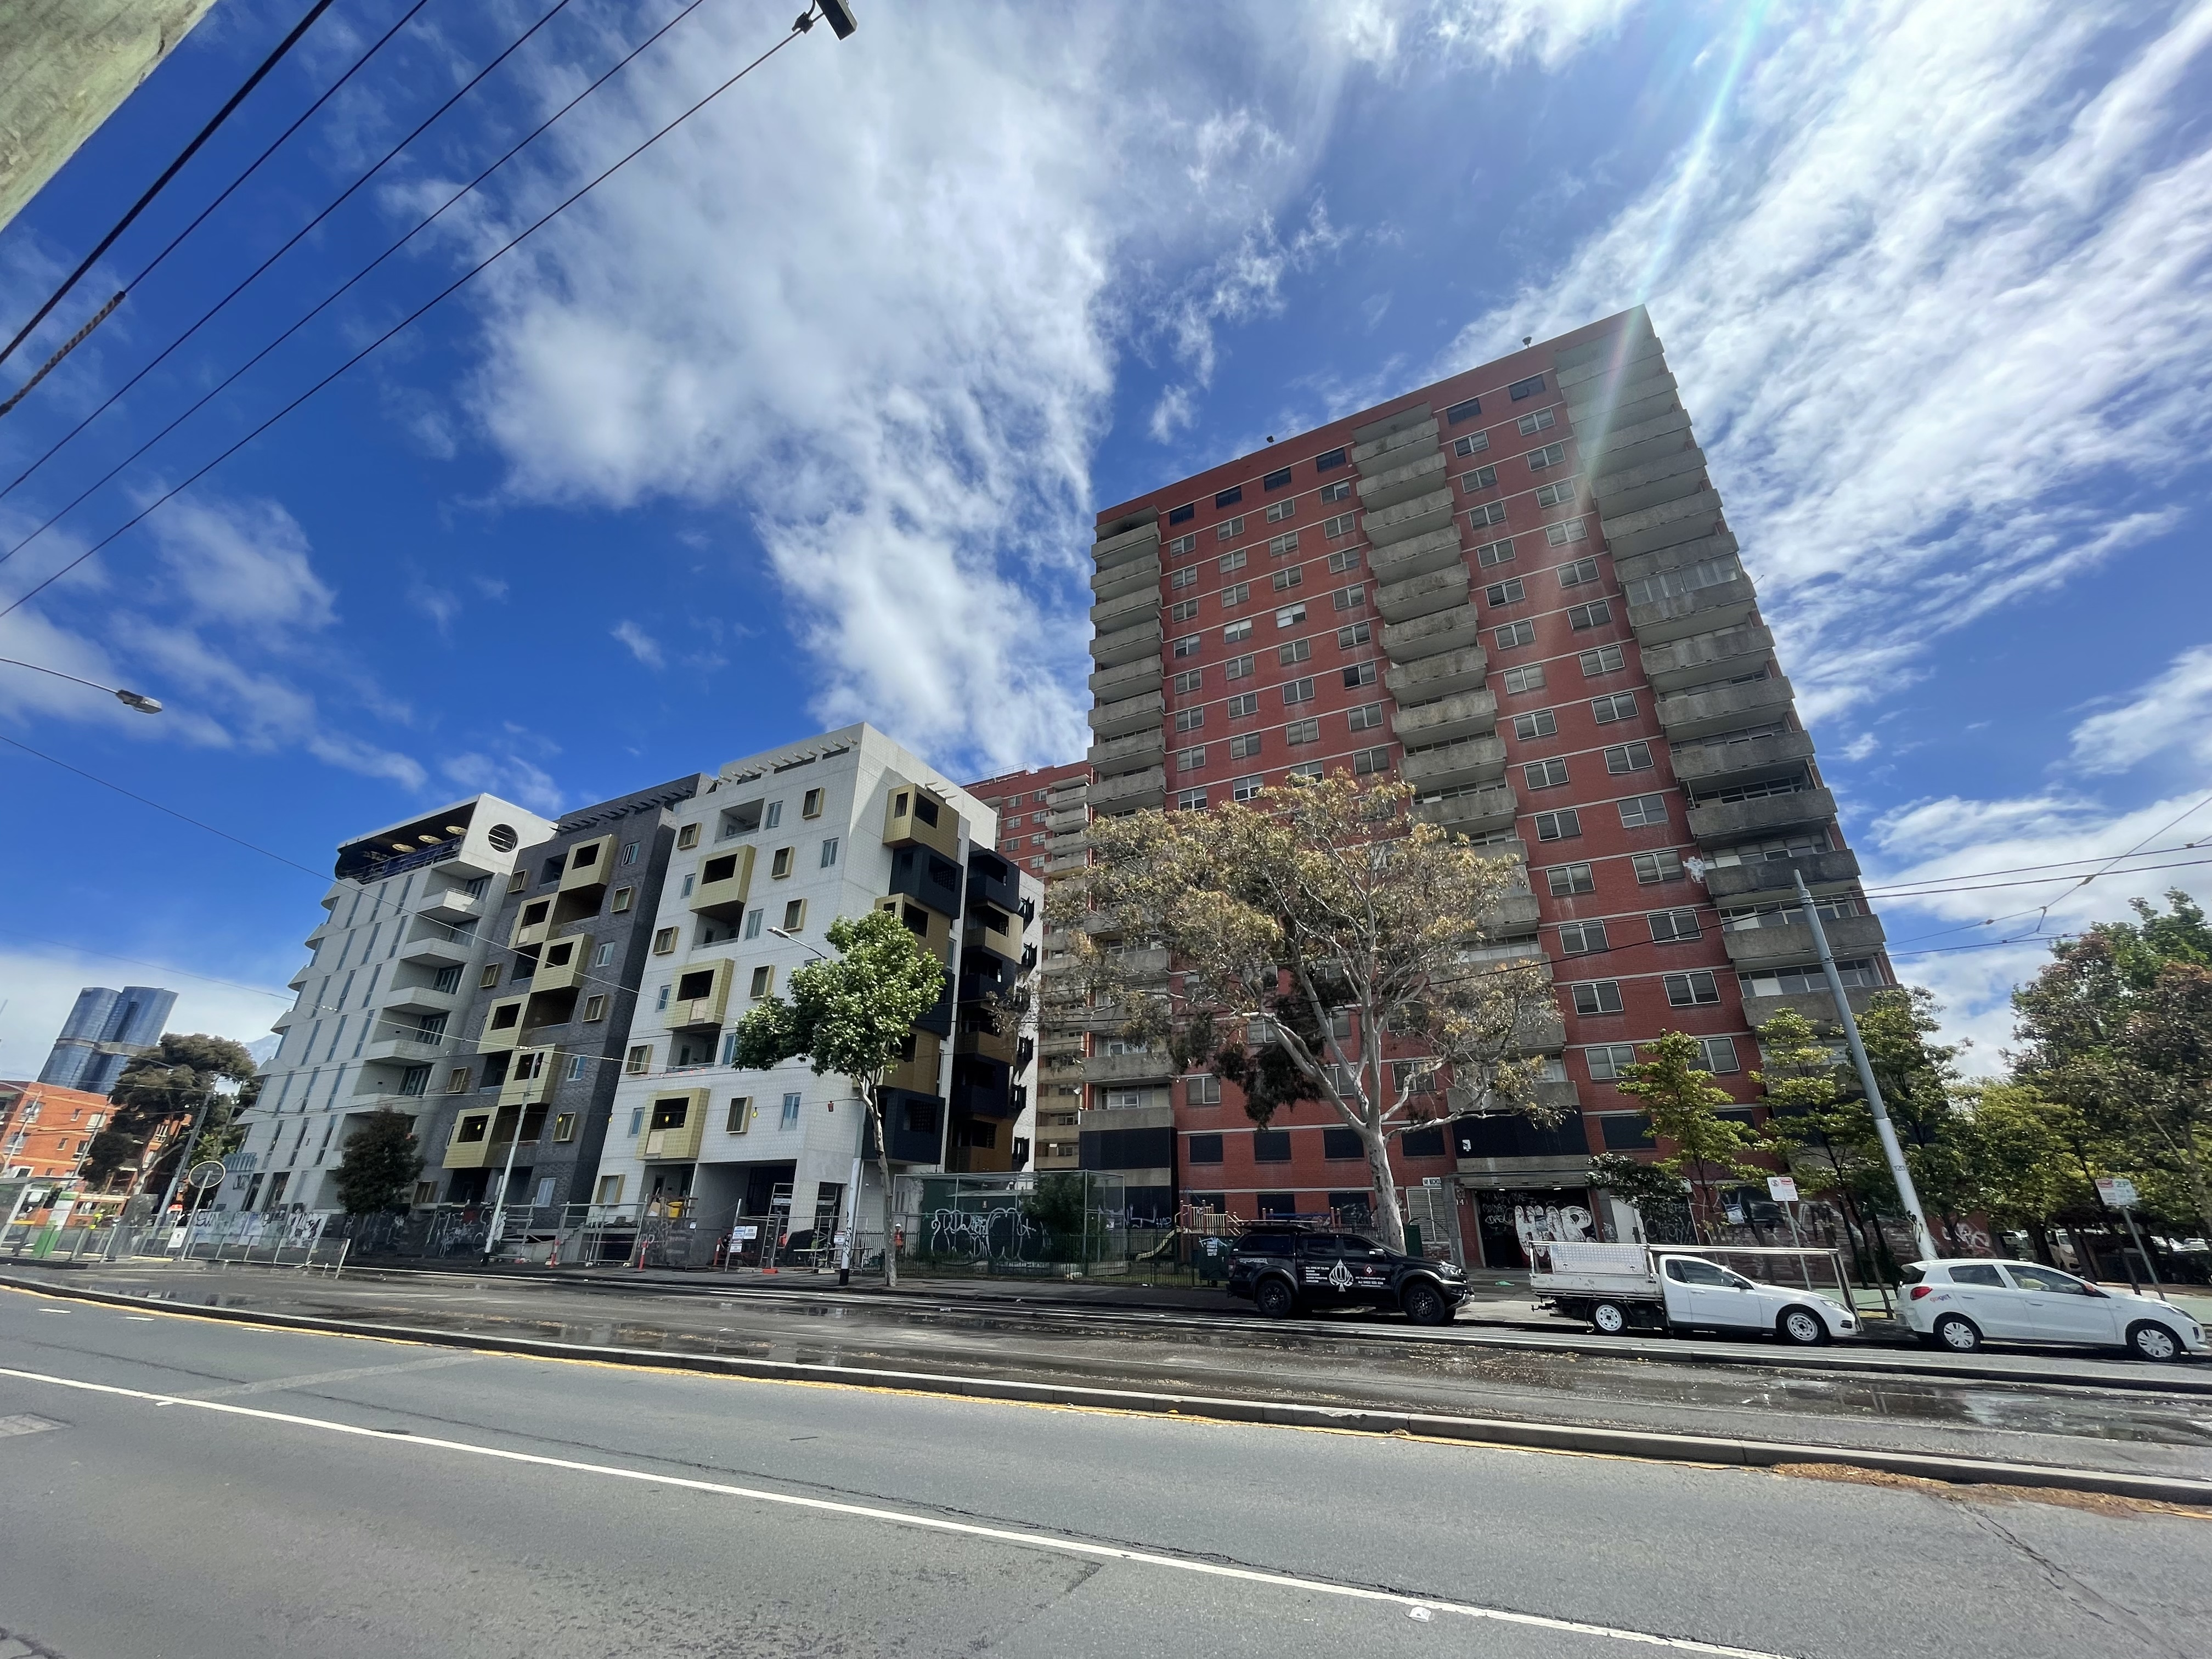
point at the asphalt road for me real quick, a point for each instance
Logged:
(181, 1488)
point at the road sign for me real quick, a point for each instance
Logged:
(1782, 1190)
(204, 1174)
(2116, 1191)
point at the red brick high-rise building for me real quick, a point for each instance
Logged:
(1516, 589)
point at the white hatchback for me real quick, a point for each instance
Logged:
(1957, 1304)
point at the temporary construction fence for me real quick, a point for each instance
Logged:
(1053, 1224)
(289, 1239)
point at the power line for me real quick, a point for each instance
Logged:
(293, 241)
(168, 173)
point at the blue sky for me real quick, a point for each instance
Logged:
(802, 417)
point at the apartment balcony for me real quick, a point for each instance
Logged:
(590, 864)
(1654, 527)
(1417, 555)
(564, 966)
(675, 1126)
(1145, 965)
(1640, 378)
(1721, 544)
(1690, 714)
(1471, 760)
(701, 997)
(1462, 715)
(1594, 362)
(1461, 670)
(1118, 580)
(1134, 753)
(1128, 714)
(1472, 811)
(1432, 635)
(1394, 449)
(1130, 792)
(1743, 760)
(471, 1146)
(1062, 820)
(724, 882)
(1666, 477)
(1698, 659)
(1816, 1005)
(1623, 445)
(1409, 519)
(1130, 680)
(531, 923)
(1514, 916)
(997, 931)
(930, 929)
(915, 816)
(1111, 650)
(1707, 610)
(920, 1072)
(1127, 611)
(1725, 823)
(1136, 544)
(437, 948)
(1152, 1066)
(502, 1026)
(452, 904)
(407, 1050)
(1824, 872)
(1541, 1031)
(1061, 863)
(1423, 595)
(424, 1000)
(1785, 944)
(1401, 483)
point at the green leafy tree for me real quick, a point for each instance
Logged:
(157, 1098)
(2027, 1170)
(851, 1014)
(1317, 944)
(1685, 1108)
(381, 1166)
(1650, 1190)
(1818, 1126)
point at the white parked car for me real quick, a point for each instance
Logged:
(1957, 1304)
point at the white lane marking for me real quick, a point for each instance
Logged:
(24, 1422)
(149, 1318)
(281, 1384)
(921, 1522)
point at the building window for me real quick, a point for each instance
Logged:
(1281, 511)
(1494, 553)
(1190, 683)
(1328, 460)
(1664, 866)
(1190, 800)
(1597, 996)
(1183, 515)
(1182, 544)
(1343, 525)
(457, 1080)
(1229, 496)
(1179, 579)
(610, 1187)
(1545, 774)
(1692, 990)
(515, 882)
(779, 863)
(1298, 691)
(663, 942)
(764, 981)
(790, 1118)
(1563, 825)
(1596, 614)
(1371, 762)
(1669, 926)
(687, 836)
(1486, 514)
(1304, 770)
(1296, 651)
(1479, 477)
(1229, 531)
(638, 1060)
(1358, 633)
(1642, 810)
(1528, 388)
(1579, 939)
(624, 898)
(1189, 719)
(1281, 547)
(1204, 1149)
(1300, 732)
(794, 916)
(1628, 758)
(1460, 413)
(595, 1009)
(1187, 646)
(1566, 879)
(1244, 789)
(1189, 760)
(1514, 635)
(1618, 706)
(1720, 1054)
(604, 956)
(1276, 479)
(1291, 615)
(1182, 610)
(1581, 571)
(1285, 580)
(1358, 674)
(1608, 1061)
(1232, 563)
(1367, 717)
(1541, 724)
(1201, 1088)
(1559, 535)
(1550, 455)
(810, 805)
(1234, 595)
(1243, 705)
(1236, 632)
(1530, 678)
(1346, 559)
(488, 977)
(753, 920)
(1244, 745)
(1271, 1145)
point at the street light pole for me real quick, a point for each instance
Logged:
(1892, 1153)
(506, 1174)
(199, 1122)
(137, 700)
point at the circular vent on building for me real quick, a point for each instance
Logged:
(502, 837)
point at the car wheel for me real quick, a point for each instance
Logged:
(1273, 1298)
(1959, 1334)
(2149, 1340)
(1609, 1317)
(1424, 1304)
(1801, 1326)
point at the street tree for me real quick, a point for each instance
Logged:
(1649, 1189)
(1316, 943)
(2027, 1169)
(380, 1165)
(1685, 1106)
(1819, 1125)
(159, 1095)
(851, 1014)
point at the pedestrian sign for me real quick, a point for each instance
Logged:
(2118, 1191)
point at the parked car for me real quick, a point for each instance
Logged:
(1282, 1271)
(1955, 1305)
(1623, 1288)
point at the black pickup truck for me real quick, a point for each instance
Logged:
(1287, 1270)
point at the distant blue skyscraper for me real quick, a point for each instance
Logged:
(102, 1033)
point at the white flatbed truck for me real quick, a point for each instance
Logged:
(1617, 1288)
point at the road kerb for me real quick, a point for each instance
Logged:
(1643, 1445)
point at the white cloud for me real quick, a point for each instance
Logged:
(2173, 713)
(639, 644)
(509, 777)
(1936, 292)
(38, 985)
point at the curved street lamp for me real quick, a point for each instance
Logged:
(137, 700)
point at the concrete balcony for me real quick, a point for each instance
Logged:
(1394, 449)
(1745, 759)
(1816, 1005)
(453, 904)
(1586, 397)
(1112, 684)
(1640, 403)
(1632, 443)
(424, 1000)
(1111, 650)
(1824, 872)
(1439, 550)
(1690, 714)
(1664, 478)
(1514, 916)
(1788, 944)
(1134, 753)
(1462, 715)
(1147, 966)
(1127, 610)
(1401, 483)
(1678, 556)
(1705, 611)
(1061, 863)
(1697, 658)
(1474, 813)
(1423, 595)
(1118, 719)
(1471, 760)
(1655, 527)
(1138, 544)
(437, 948)
(1130, 792)
(1541, 1031)
(1439, 676)
(407, 1050)
(1410, 519)
(1430, 636)
(1598, 369)
(1063, 819)
(1136, 576)
(1150, 1067)
(1725, 823)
